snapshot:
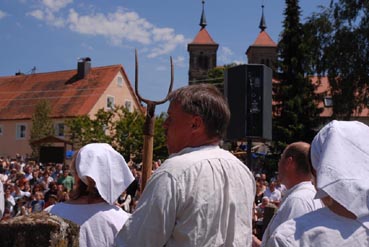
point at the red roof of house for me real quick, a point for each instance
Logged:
(203, 38)
(68, 97)
(264, 39)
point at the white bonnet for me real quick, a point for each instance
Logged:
(340, 156)
(106, 167)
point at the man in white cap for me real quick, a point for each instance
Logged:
(340, 159)
(201, 195)
(101, 175)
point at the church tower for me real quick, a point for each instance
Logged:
(264, 49)
(203, 53)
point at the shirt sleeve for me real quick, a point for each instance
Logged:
(153, 221)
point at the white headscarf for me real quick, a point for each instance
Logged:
(340, 156)
(106, 167)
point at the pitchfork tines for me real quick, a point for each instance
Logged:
(147, 101)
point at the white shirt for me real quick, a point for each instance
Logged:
(274, 196)
(298, 201)
(198, 197)
(322, 228)
(99, 223)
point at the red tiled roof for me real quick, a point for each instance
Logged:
(203, 38)
(68, 97)
(264, 39)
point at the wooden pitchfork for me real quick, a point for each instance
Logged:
(148, 129)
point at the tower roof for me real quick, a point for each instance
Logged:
(264, 39)
(203, 38)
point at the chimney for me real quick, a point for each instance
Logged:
(83, 67)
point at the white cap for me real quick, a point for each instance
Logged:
(106, 167)
(340, 156)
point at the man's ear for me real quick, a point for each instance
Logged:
(290, 163)
(197, 123)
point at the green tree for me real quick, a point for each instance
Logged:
(296, 115)
(42, 125)
(341, 49)
(120, 128)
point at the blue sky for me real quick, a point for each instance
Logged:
(52, 34)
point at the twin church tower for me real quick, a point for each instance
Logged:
(203, 51)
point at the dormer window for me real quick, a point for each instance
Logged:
(120, 81)
(110, 102)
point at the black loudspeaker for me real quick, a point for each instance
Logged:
(248, 90)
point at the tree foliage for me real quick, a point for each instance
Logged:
(42, 125)
(339, 35)
(216, 76)
(296, 115)
(120, 128)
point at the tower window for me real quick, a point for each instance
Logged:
(203, 62)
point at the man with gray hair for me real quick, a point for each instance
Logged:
(201, 195)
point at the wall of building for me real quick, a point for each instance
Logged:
(9, 143)
(120, 92)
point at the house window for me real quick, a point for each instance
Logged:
(328, 102)
(110, 102)
(21, 131)
(120, 81)
(1, 130)
(59, 129)
(128, 105)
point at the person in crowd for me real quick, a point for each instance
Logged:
(52, 190)
(46, 179)
(274, 195)
(124, 201)
(66, 180)
(20, 207)
(38, 203)
(28, 170)
(101, 175)
(201, 195)
(9, 199)
(259, 192)
(58, 171)
(340, 161)
(2, 200)
(295, 173)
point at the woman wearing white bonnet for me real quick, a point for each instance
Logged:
(101, 175)
(340, 158)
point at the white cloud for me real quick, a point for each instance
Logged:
(179, 61)
(56, 5)
(38, 14)
(2, 14)
(118, 27)
(167, 40)
(48, 16)
(225, 55)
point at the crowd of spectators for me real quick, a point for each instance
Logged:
(31, 187)
(268, 197)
